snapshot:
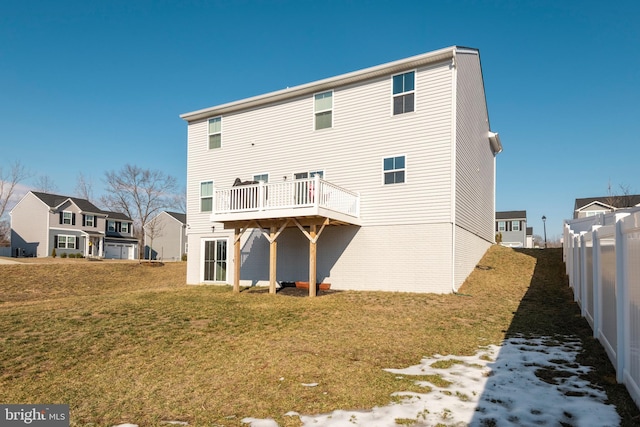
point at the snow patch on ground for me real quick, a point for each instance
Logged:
(521, 382)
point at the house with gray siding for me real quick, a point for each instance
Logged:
(379, 179)
(591, 206)
(165, 236)
(42, 222)
(513, 230)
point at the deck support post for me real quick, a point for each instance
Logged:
(312, 260)
(273, 253)
(236, 260)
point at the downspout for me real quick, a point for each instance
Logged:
(454, 93)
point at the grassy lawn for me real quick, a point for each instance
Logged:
(124, 342)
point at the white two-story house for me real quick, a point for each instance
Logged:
(379, 179)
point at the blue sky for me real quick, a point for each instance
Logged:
(88, 86)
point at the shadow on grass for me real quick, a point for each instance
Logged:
(548, 309)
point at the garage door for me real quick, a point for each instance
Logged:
(118, 251)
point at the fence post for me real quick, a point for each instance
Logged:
(583, 274)
(597, 282)
(316, 190)
(261, 195)
(621, 325)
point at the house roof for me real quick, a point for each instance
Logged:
(330, 83)
(117, 215)
(511, 215)
(179, 216)
(55, 200)
(625, 201)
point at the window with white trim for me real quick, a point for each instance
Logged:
(323, 110)
(261, 177)
(404, 92)
(394, 169)
(515, 225)
(89, 220)
(111, 226)
(67, 217)
(206, 196)
(502, 226)
(215, 133)
(124, 228)
(66, 242)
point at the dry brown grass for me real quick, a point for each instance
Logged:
(121, 342)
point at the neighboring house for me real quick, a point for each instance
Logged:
(379, 179)
(512, 226)
(42, 222)
(165, 237)
(591, 206)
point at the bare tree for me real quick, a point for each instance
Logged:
(84, 187)
(45, 184)
(153, 229)
(619, 199)
(179, 201)
(9, 179)
(139, 193)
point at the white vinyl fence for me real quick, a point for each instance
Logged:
(602, 256)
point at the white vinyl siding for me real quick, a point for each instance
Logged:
(281, 134)
(278, 137)
(474, 161)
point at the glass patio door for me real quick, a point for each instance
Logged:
(215, 260)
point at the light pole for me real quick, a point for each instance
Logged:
(544, 225)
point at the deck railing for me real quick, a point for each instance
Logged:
(300, 193)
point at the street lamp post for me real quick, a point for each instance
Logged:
(544, 225)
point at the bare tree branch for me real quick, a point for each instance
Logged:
(9, 179)
(84, 187)
(8, 182)
(139, 193)
(45, 184)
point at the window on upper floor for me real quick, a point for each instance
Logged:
(515, 225)
(125, 227)
(502, 226)
(89, 220)
(67, 218)
(215, 133)
(404, 92)
(394, 169)
(111, 226)
(206, 196)
(323, 110)
(261, 177)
